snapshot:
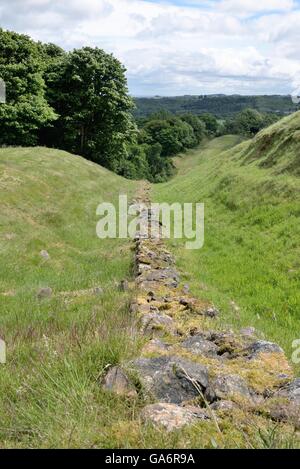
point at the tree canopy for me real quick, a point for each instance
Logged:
(26, 109)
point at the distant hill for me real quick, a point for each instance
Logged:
(220, 105)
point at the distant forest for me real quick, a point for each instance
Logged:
(220, 105)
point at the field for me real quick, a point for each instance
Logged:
(58, 347)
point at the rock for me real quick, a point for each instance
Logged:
(10, 236)
(198, 412)
(196, 306)
(226, 387)
(97, 291)
(143, 267)
(171, 378)
(261, 346)
(144, 308)
(124, 286)
(117, 381)
(154, 345)
(157, 324)
(291, 391)
(235, 307)
(134, 307)
(223, 406)
(211, 312)
(228, 343)
(44, 293)
(289, 412)
(45, 255)
(248, 331)
(200, 346)
(169, 416)
(162, 274)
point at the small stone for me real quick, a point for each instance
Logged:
(169, 416)
(226, 387)
(223, 406)
(143, 267)
(154, 345)
(45, 255)
(235, 307)
(117, 381)
(134, 307)
(200, 346)
(124, 286)
(248, 331)
(10, 236)
(44, 293)
(211, 312)
(144, 308)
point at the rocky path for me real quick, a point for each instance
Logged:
(189, 369)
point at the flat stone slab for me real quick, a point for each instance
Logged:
(171, 378)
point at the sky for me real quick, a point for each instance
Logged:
(177, 47)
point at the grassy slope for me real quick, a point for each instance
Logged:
(57, 347)
(251, 252)
(49, 393)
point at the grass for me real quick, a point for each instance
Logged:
(249, 265)
(59, 347)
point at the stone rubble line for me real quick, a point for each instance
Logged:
(188, 370)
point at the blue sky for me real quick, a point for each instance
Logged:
(177, 47)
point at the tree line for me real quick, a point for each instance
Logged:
(222, 106)
(78, 101)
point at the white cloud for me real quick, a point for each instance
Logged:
(246, 7)
(221, 46)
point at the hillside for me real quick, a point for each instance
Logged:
(220, 105)
(57, 346)
(249, 265)
(277, 147)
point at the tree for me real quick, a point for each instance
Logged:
(135, 165)
(197, 125)
(26, 108)
(211, 123)
(249, 122)
(88, 89)
(160, 168)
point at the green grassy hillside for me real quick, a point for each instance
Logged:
(56, 347)
(277, 147)
(249, 265)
